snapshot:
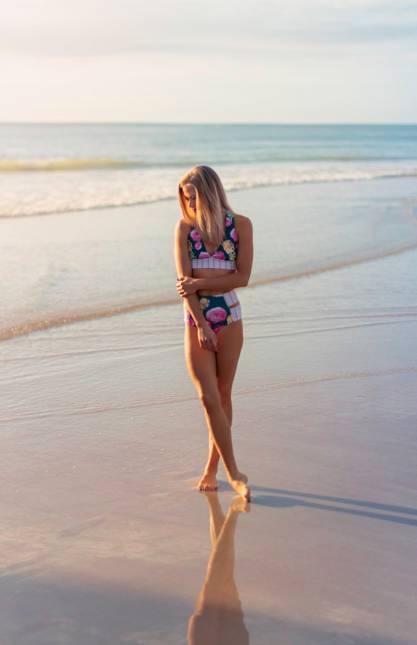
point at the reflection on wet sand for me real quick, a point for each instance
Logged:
(218, 616)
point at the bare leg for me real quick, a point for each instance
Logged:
(220, 432)
(202, 366)
(213, 455)
(230, 341)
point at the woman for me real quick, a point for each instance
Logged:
(213, 252)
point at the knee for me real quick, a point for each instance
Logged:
(210, 400)
(225, 391)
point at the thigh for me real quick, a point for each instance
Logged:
(201, 363)
(229, 346)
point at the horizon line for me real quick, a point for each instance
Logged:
(281, 123)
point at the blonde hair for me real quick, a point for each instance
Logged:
(211, 202)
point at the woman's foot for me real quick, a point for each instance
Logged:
(208, 482)
(239, 483)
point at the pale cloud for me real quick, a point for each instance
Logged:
(189, 60)
(90, 27)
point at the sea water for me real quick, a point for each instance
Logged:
(87, 212)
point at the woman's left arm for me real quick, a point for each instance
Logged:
(238, 278)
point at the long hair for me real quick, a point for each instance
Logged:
(211, 202)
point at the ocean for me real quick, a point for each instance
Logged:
(61, 168)
(88, 211)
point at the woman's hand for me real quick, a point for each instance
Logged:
(186, 286)
(207, 338)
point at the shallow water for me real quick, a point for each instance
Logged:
(102, 437)
(62, 168)
(79, 266)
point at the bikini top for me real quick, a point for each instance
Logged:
(223, 257)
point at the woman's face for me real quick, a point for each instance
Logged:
(190, 196)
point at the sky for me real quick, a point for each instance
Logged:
(189, 61)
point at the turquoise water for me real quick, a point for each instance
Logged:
(175, 145)
(61, 168)
(320, 198)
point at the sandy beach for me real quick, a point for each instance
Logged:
(105, 541)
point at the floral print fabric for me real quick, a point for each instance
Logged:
(215, 310)
(226, 251)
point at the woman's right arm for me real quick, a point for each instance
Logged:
(206, 336)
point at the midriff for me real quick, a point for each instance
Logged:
(209, 273)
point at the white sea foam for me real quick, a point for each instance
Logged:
(87, 187)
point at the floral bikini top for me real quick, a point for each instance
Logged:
(223, 257)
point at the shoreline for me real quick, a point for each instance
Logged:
(103, 438)
(130, 293)
(411, 175)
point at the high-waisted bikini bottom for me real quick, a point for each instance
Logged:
(220, 310)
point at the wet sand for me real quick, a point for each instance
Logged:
(105, 541)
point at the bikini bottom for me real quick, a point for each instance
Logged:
(220, 310)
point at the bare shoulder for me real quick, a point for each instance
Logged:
(182, 228)
(243, 222)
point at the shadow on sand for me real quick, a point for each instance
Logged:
(283, 498)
